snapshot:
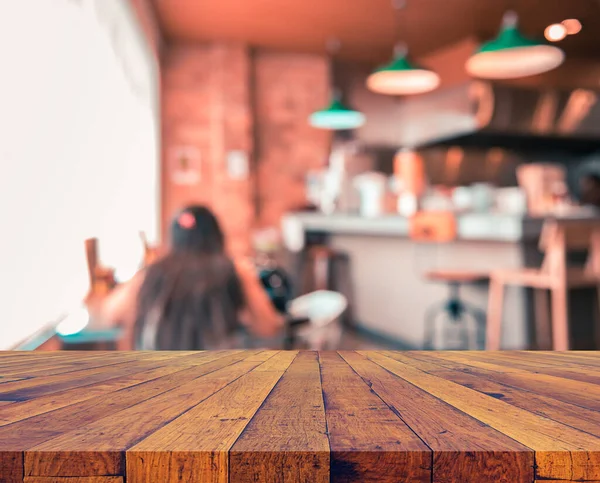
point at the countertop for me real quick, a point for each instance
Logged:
(254, 416)
(501, 227)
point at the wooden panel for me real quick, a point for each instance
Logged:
(11, 466)
(462, 445)
(368, 441)
(53, 401)
(80, 479)
(196, 444)
(97, 448)
(248, 416)
(287, 438)
(38, 386)
(569, 414)
(575, 392)
(561, 452)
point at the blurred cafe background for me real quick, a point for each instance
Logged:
(395, 174)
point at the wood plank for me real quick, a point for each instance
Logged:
(69, 398)
(286, 440)
(98, 448)
(368, 441)
(464, 449)
(39, 361)
(90, 410)
(36, 430)
(567, 390)
(504, 363)
(80, 479)
(33, 407)
(194, 447)
(40, 386)
(560, 357)
(561, 452)
(75, 365)
(580, 418)
(11, 466)
(5, 379)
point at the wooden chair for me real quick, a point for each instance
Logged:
(151, 254)
(102, 279)
(558, 237)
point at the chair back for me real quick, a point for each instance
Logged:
(91, 254)
(151, 253)
(560, 237)
(102, 279)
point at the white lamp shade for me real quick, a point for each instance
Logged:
(515, 62)
(337, 119)
(406, 82)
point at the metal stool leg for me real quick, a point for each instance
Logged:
(430, 318)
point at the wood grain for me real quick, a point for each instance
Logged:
(560, 450)
(276, 416)
(287, 439)
(80, 479)
(462, 445)
(197, 443)
(98, 446)
(569, 414)
(368, 441)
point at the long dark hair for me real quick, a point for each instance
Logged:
(190, 299)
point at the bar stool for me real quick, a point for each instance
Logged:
(455, 314)
(558, 237)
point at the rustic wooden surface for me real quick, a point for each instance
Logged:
(275, 416)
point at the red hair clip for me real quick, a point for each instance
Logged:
(186, 220)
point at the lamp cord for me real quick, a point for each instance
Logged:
(400, 48)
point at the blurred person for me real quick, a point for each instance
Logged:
(194, 297)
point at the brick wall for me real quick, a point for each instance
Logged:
(288, 88)
(206, 109)
(220, 98)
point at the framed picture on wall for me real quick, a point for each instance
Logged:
(184, 165)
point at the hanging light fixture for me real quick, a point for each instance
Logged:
(336, 116)
(401, 77)
(511, 55)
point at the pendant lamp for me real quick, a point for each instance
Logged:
(336, 116)
(401, 77)
(511, 55)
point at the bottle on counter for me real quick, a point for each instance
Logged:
(372, 188)
(409, 170)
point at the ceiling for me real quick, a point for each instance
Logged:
(369, 28)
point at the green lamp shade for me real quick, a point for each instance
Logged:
(511, 55)
(337, 117)
(400, 77)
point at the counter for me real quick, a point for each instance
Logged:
(487, 227)
(391, 295)
(262, 416)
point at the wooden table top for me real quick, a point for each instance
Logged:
(275, 416)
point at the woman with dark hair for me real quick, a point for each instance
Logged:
(195, 297)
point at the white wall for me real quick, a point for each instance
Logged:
(78, 152)
(392, 295)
